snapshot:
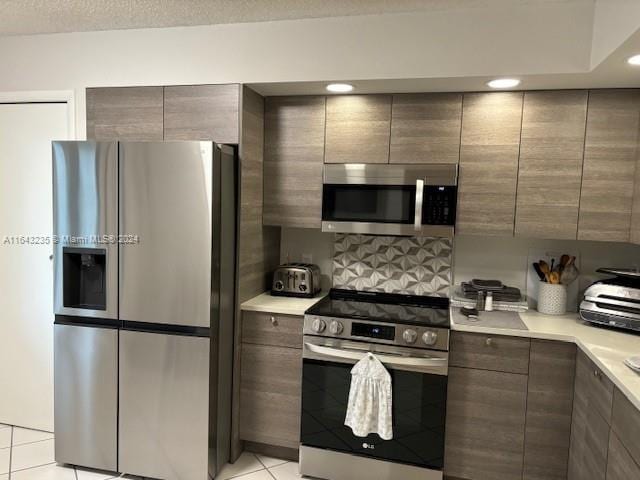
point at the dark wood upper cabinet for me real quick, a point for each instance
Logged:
(425, 128)
(358, 129)
(550, 169)
(202, 112)
(490, 145)
(124, 113)
(611, 143)
(293, 160)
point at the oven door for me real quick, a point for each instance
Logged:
(389, 199)
(419, 382)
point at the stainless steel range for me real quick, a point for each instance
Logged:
(410, 336)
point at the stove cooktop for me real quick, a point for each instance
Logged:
(384, 307)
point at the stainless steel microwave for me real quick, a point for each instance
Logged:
(390, 199)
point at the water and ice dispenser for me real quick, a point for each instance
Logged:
(84, 278)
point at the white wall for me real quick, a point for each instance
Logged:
(309, 246)
(505, 259)
(521, 39)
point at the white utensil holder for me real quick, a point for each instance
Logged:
(552, 298)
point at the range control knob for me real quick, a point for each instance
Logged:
(409, 336)
(318, 325)
(335, 328)
(429, 337)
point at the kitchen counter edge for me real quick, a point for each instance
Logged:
(267, 303)
(607, 348)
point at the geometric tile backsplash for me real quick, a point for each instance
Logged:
(409, 265)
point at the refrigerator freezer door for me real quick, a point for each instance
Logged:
(86, 396)
(85, 223)
(166, 202)
(164, 405)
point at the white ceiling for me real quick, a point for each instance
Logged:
(20, 17)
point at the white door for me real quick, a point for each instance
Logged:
(26, 271)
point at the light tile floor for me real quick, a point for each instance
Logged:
(28, 455)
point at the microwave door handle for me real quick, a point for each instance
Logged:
(419, 204)
(390, 360)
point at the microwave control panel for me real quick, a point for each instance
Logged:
(439, 205)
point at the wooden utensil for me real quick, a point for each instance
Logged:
(554, 278)
(544, 267)
(570, 272)
(536, 267)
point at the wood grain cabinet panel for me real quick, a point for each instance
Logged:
(489, 352)
(635, 210)
(611, 143)
(125, 113)
(626, 424)
(358, 129)
(490, 145)
(272, 329)
(425, 128)
(485, 424)
(294, 156)
(589, 429)
(270, 389)
(620, 464)
(550, 169)
(202, 112)
(598, 388)
(549, 408)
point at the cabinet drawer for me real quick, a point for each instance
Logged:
(272, 329)
(490, 352)
(626, 423)
(270, 395)
(597, 386)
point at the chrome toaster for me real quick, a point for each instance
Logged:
(614, 302)
(296, 280)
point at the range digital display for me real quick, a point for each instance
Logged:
(383, 332)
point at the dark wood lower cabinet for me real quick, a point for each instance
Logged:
(620, 464)
(270, 388)
(549, 407)
(485, 424)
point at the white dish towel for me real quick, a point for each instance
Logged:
(369, 408)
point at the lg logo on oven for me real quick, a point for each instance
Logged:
(370, 446)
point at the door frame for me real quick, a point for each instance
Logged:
(46, 96)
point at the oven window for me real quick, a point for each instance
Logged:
(419, 409)
(369, 203)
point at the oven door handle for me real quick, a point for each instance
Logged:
(417, 223)
(392, 361)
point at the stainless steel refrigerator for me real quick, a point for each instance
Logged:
(144, 282)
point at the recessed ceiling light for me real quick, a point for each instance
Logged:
(504, 83)
(635, 60)
(339, 87)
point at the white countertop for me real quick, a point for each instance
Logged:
(607, 348)
(282, 305)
